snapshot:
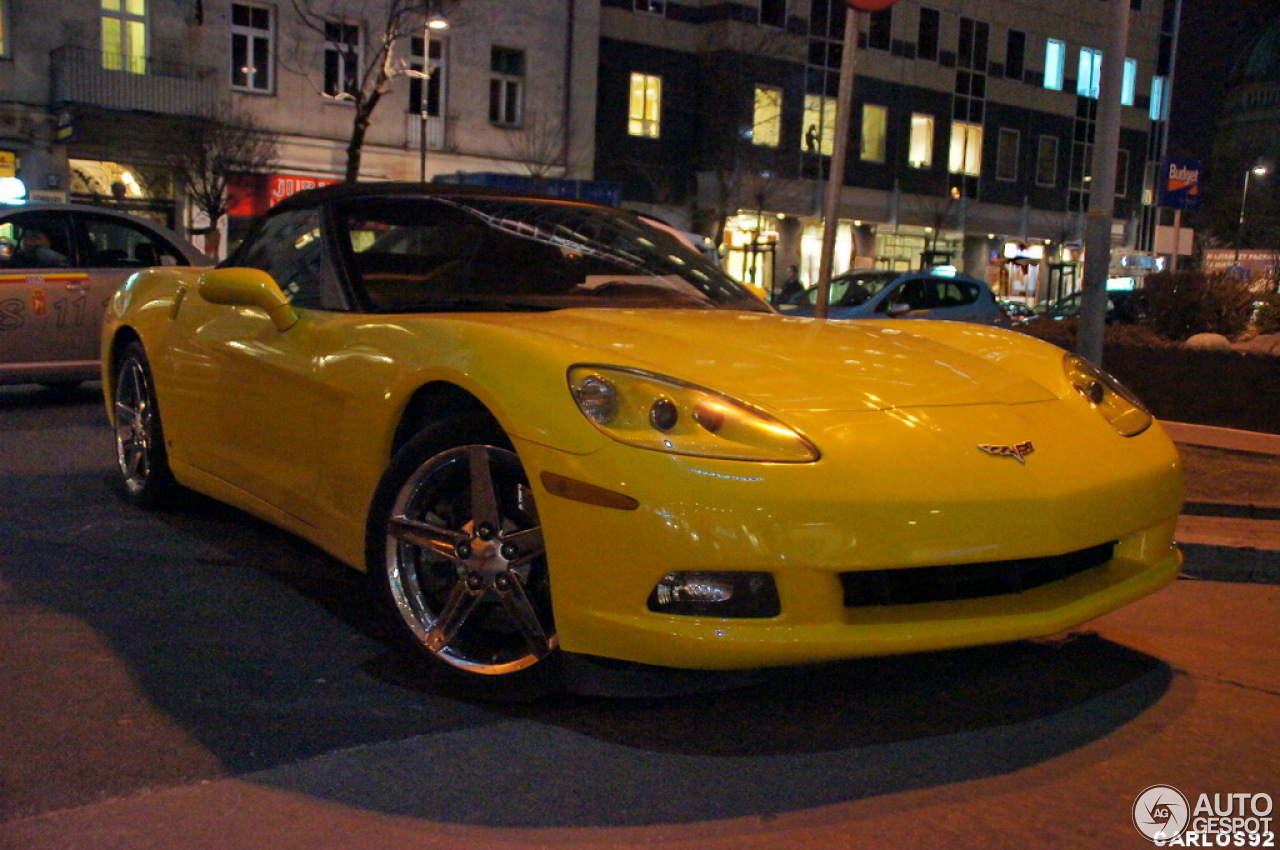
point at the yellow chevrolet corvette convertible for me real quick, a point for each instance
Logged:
(546, 427)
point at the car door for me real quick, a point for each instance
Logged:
(910, 298)
(242, 403)
(109, 248)
(44, 305)
(955, 300)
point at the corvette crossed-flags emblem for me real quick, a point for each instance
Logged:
(1019, 452)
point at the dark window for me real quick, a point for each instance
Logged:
(112, 243)
(1047, 161)
(974, 38)
(252, 48)
(880, 31)
(506, 86)
(341, 58)
(1007, 143)
(773, 12)
(930, 30)
(1015, 55)
(434, 82)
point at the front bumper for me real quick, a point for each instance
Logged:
(898, 489)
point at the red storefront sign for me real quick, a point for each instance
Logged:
(281, 186)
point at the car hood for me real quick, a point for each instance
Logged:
(786, 363)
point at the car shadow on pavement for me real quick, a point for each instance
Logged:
(263, 650)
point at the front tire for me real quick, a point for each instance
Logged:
(140, 454)
(455, 545)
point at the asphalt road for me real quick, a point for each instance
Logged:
(194, 678)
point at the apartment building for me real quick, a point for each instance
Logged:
(95, 95)
(969, 141)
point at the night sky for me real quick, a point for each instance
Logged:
(1213, 34)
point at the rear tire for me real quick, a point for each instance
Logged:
(140, 454)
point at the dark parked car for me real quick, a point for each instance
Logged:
(1123, 305)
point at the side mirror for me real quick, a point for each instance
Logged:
(241, 287)
(897, 311)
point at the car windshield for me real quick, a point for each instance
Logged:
(414, 254)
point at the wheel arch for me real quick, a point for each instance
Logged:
(437, 401)
(123, 337)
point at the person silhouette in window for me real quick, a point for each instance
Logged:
(35, 250)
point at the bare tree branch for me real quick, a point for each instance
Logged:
(213, 149)
(370, 63)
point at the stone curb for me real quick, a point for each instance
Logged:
(1238, 510)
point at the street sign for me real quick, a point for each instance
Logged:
(1180, 184)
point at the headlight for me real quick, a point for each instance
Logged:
(666, 415)
(1108, 396)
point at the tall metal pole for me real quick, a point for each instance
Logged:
(1102, 194)
(835, 176)
(1244, 198)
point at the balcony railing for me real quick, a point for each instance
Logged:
(113, 81)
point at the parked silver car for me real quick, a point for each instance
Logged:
(940, 293)
(59, 264)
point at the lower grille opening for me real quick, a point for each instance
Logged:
(965, 581)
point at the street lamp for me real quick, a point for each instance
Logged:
(436, 22)
(1259, 170)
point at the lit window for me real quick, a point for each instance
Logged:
(1158, 105)
(1090, 72)
(920, 154)
(341, 58)
(651, 7)
(1047, 161)
(966, 148)
(1007, 144)
(819, 124)
(506, 86)
(4, 27)
(874, 120)
(252, 48)
(766, 121)
(1129, 87)
(1055, 57)
(644, 110)
(124, 35)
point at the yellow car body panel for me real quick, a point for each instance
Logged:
(298, 425)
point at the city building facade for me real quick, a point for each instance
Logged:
(969, 140)
(969, 143)
(96, 96)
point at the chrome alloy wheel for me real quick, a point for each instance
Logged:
(465, 561)
(139, 454)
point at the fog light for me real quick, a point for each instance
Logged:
(724, 594)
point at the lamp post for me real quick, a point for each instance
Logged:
(436, 22)
(1259, 170)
